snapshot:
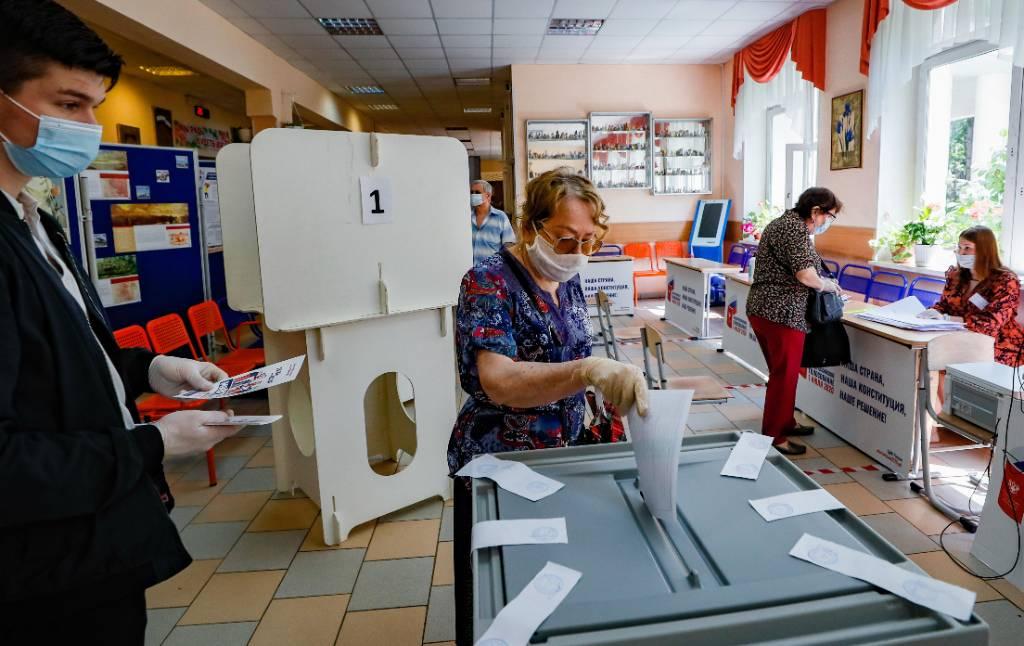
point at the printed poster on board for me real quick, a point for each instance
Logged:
(211, 206)
(107, 177)
(118, 280)
(208, 141)
(150, 227)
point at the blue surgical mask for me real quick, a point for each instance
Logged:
(476, 199)
(63, 147)
(825, 226)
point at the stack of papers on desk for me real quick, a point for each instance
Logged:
(903, 314)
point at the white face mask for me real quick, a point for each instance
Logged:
(559, 267)
(476, 199)
(965, 262)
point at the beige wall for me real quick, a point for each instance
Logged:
(732, 169)
(856, 187)
(669, 91)
(131, 103)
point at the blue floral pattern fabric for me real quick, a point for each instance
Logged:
(498, 313)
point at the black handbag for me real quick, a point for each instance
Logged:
(824, 307)
(826, 345)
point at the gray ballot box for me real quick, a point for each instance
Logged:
(721, 575)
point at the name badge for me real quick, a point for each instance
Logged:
(978, 301)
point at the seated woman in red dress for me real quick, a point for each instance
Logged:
(983, 294)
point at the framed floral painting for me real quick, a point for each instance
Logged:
(847, 130)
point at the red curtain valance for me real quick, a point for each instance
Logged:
(875, 12)
(803, 40)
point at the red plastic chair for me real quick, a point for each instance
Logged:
(206, 319)
(641, 251)
(668, 249)
(153, 406)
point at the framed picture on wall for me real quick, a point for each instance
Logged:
(128, 135)
(847, 130)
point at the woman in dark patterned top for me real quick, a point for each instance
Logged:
(787, 269)
(523, 338)
(983, 294)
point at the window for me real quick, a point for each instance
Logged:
(792, 154)
(962, 150)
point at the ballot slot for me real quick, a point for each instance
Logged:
(720, 557)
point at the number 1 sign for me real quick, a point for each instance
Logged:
(376, 193)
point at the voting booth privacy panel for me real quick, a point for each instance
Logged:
(136, 226)
(361, 243)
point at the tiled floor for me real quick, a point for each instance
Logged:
(263, 575)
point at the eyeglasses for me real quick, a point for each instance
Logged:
(476, 192)
(569, 244)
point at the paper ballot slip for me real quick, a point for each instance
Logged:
(903, 314)
(249, 382)
(247, 420)
(517, 621)
(747, 456)
(798, 503)
(656, 443)
(514, 477)
(916, 588)
(523, 531)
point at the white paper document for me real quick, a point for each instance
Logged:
(656, 442)
(247, 420)
(903, 314)
(514, 477)
(248, 382)
(524, 531)
(795, 504)
(747, 456)
(922, 590)
(517, 621)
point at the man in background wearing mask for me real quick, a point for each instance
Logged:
(491, 227)
(84, 528)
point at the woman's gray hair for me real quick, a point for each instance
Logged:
(487, 185)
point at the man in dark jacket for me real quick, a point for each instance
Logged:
(83, 526)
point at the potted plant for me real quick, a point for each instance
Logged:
(923, 232)
(755, 221)
(896, 243)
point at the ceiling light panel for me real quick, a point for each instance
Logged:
(574, 26)
(350, 26)
(473, 82)
(382, 106)
(365, 89)
(477, 110)
(167, 70)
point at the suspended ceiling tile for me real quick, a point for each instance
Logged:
(633, 9)
(467, 41)
(273, 8)
(383, 65)
(336, 67)
(415, 41)
(756, 10)
(583, 8)
(337, 8)
(226, 8)
(700, 9)
(709, 42)
(363, 42)
(679, 27)
(309, 41)
(624, 27)
(400, 8)
(287, 26)
(466, 26)
(478, 53)
(528, 26)
(663, 42)
(570, 43)
(250, 26)
(650, 54)
(461, 9)
(733, 27)
(427, 67)
(517, 42)
(335, 53)
(407, 26)
(602, 41)
(373, 54)
(523, 8)
(421, 53)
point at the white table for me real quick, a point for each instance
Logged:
(871, 403)
(688, 293)
(613, 274)
(738, 338)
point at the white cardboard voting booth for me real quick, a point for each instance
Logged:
(361, 243)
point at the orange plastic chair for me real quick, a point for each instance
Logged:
(206, 319)
(668, 249)
(641, 251)
(153, 406)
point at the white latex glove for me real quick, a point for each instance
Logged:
(621, 383)
(829, 285)
(184, 432)
(169, 376)
(930, 314)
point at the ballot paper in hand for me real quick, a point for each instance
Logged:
(903, 314)
(246, 420)
(248, 382)
(656, 442)
(916, 588)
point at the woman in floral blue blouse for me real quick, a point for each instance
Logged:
(523, 332)
(523, 338)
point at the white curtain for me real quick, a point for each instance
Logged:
(788, 89)
(909, 36)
